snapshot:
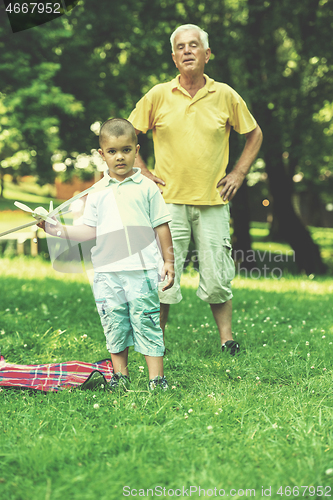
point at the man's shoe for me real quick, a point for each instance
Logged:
(232, 346)
(119, 381)
(160, 382)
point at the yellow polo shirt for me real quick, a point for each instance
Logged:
(191, 137)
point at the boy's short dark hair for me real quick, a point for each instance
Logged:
(117, 127)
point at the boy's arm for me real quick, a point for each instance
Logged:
(80, 233)
(164, 241)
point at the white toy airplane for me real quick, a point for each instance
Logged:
(41, 213)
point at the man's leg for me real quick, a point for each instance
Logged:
(181, 236)
(164, 316)
(222, 314)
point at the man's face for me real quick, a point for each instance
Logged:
(119, 153)
(189, 55)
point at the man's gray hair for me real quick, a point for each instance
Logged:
(185, 27)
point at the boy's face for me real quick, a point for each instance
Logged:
(119, 153)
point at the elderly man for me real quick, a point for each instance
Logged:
(191, 117)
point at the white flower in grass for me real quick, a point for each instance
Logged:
(324, 369)
(84, 336)
(186, 416)
(329, 472)
(227, 371)
(264, 345)
(284, 341)
(209, 427)
(141, 369)
(308, 354)
(190, 410)
(96, 406)
(173, 387)
(275, 426)
(307, 343)
(323, 337)
(257, 378)
(312, 367)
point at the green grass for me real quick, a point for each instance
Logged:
(262, 419)
(282, 252)
(27, 192)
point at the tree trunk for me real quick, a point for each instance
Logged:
(265, 69)
(241, 239)
(2, 183)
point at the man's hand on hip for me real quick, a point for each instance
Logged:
(231, 183)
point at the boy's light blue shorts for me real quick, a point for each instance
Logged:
(129, 308)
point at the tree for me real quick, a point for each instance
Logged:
(285, 91)
(30, 100)
(96, 62)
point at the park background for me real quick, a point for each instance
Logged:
(262, 419)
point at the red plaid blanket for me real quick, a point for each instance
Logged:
(55, 377)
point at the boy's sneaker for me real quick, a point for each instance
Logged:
(119, 381)
(160, 382)
(232, 346)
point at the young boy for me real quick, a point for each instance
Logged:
(125, 212)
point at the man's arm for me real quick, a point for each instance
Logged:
(233, 181)
(144, 170)
(165, 243)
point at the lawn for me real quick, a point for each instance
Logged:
(260, 423)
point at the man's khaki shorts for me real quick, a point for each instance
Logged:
(210, 230)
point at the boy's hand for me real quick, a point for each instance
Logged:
(168, 270)
(51, 229)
